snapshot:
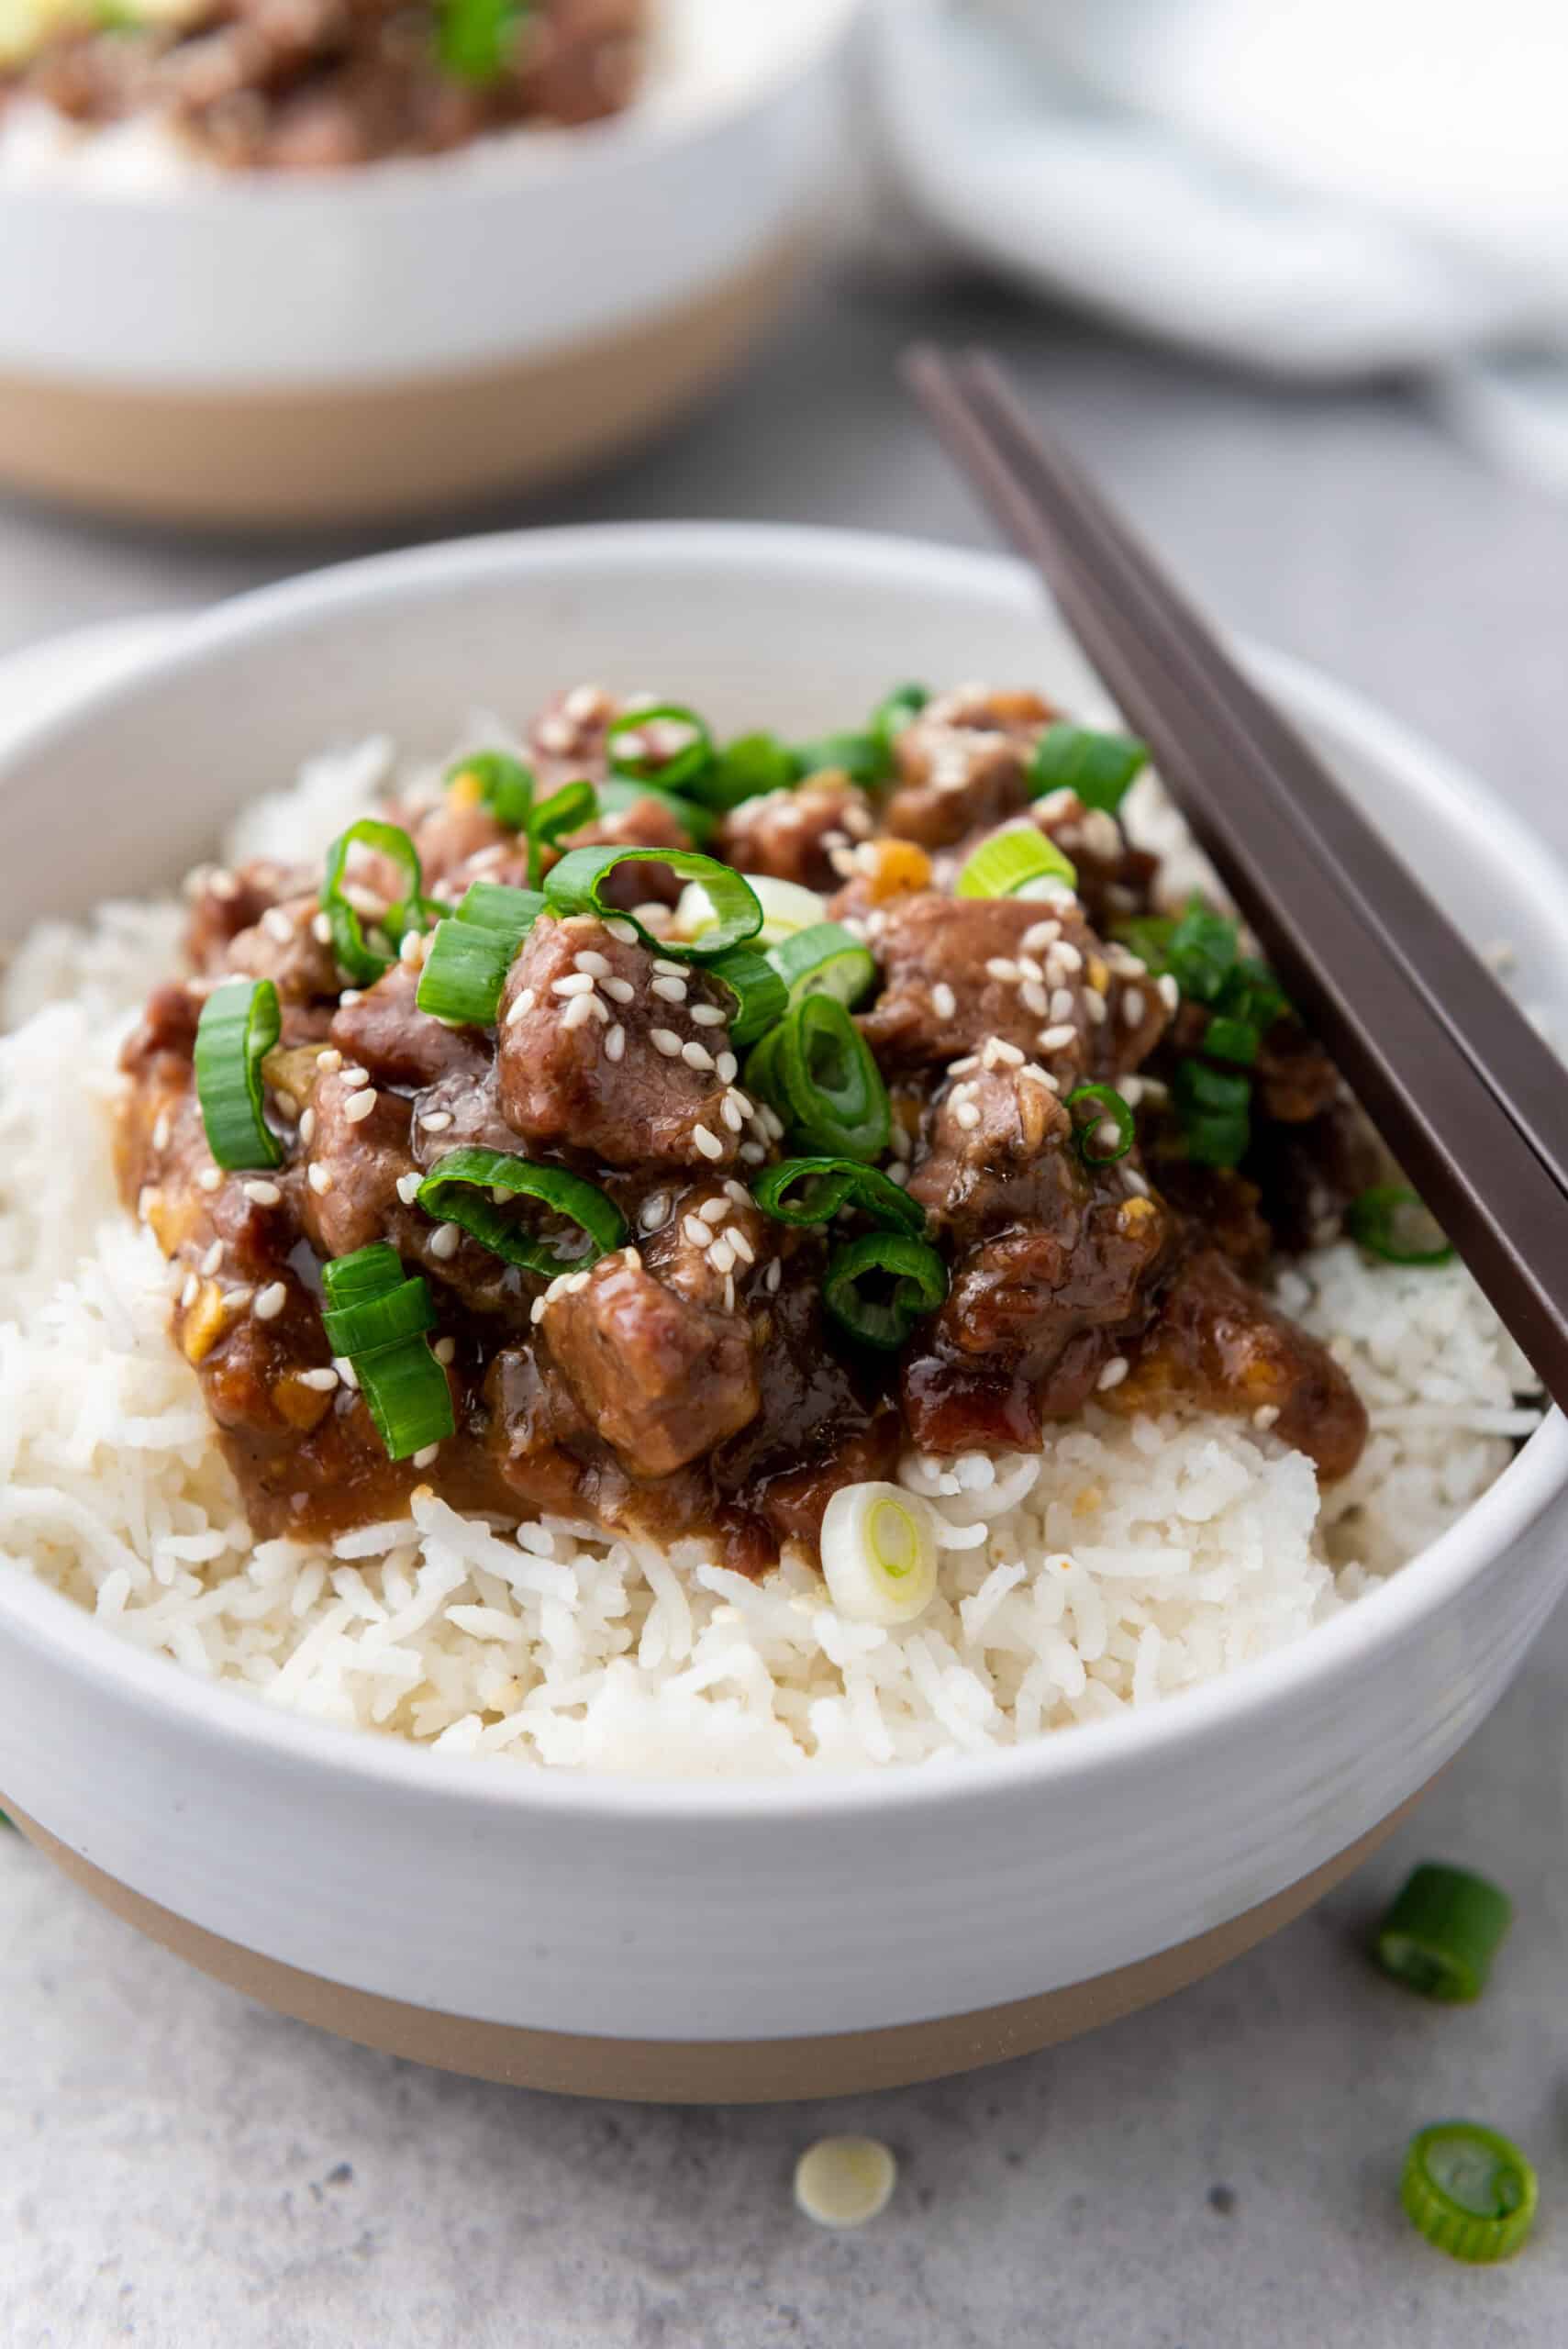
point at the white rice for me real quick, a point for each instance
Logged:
(1130, 1560)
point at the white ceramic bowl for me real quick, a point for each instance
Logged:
(279, 350)
(760, 1937)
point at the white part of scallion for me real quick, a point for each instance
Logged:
(879, 1553)
(844, 2181)
(786, 908)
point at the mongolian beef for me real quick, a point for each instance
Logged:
(314, 84)
(668, 1137)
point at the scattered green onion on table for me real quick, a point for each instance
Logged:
(1442, 1932)
(1469, 2190)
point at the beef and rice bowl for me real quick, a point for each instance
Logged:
(730, 1256)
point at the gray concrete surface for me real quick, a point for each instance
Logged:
(179, 2168)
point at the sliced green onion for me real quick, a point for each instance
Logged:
(786, 908)
(238, 1025)
(1107, 1103)
(458, 1190)
(491, 905)
(617, 795)
(822, 1080)
(363, 963)
(828, 1184)
(1017, 863)
(1215, 1113)
(1097, 767)
(404, 1387)
(826, 959)
(474, 39)
(1468, 2191)
(1225, 1039)
(678, 773)
(917, 1276)
(465, 973)
(1380, 1220)
(879, 1553)
(1202, 952)
(862, 757)
(745, 769)
(384, 1318)
(576, 886)
(759, 998)
(1442, 1932)
(894, 712)
(566, 810)
(505, 786)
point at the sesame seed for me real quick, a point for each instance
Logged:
(213, 1258)
(147, 1198)
(1095, 1005)
(1135, 1183)
(536, 1310)
(615, 1043)
(579, 1011)
(356, 1076)
(772, 1276)
(350, 997)
(654, 1211)
(751, 1153)
(328, 1062)
(584, 704)
(1265, 1415)
(625, 931)
(209, 1178)
(1063, 1004)
(424, 1457)
(574, 982)
(1132, 1008)
(730, 1292)
(662, 965)
(597, 965)
(576, 1283)
(1169, 992)
(408, 1187)
(411, 953)
(346, 1371)
(234, 1299)
(900, 1174)
(720, 1256)
(737, 1192)
(944, 1003)
(261, 1194)
(523, 1005)
(708, 1015)
(319, 1177)
(222, 884)
(1040, 935)
(669, 990)
(843, 861)
(321, 930)
(435, 1122)
(996, 1049)
(1057, 1038)
(272, 1301)
(619, 990)
(307, 1126)
(444, 1241)
(1115, 1371)
(359, 1105)
(665, 1041)
(709, 1144)
(322, 1380)
(730, 1114)
(694, 1229)
(160, 1131)
(1002, 970)
(191, 1291)
(697, 1055)
(742, 1247)
(714, 1210)
(1034, 998)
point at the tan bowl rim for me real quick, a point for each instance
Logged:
(1399, 1611)
(519, 163)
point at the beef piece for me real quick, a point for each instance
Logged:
(1057, 1262)
(1216, 1343)
(460, 1112)
(1220, 1202)
(632, 1082)
(1307, 1174)
(964, 763)
(958, 971)
(1296, 1079)
(539, 1437)
(661, 1378)
(567, 739)
(451, 835)
(806, 835)
(386, 1034)
(223, 904)
(713, 1243)
(354, 1166)
(283, 946)
(644, 823)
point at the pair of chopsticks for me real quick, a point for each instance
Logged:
(1463, 1091)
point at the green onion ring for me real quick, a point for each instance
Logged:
(1015, 860)
(566, 810)
(672, 774)
(862, 757)
(824, 1082)
(240, 1024)
(491, 905)
(831, 1184)
(576, 885)
(457, 1188)
(505, 786)
(404, 1386)
(1468, 2191)
(745, 769)
(761, 1000)
(1109, 1104)
(1371, 1220)
(1228, 1038)
(1097, 767)
(362, 961)
(1442, 1932)
(920, 1284)
(617, 794)
(824, 958)
(894, 712)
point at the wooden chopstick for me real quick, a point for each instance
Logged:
(1251, 793)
